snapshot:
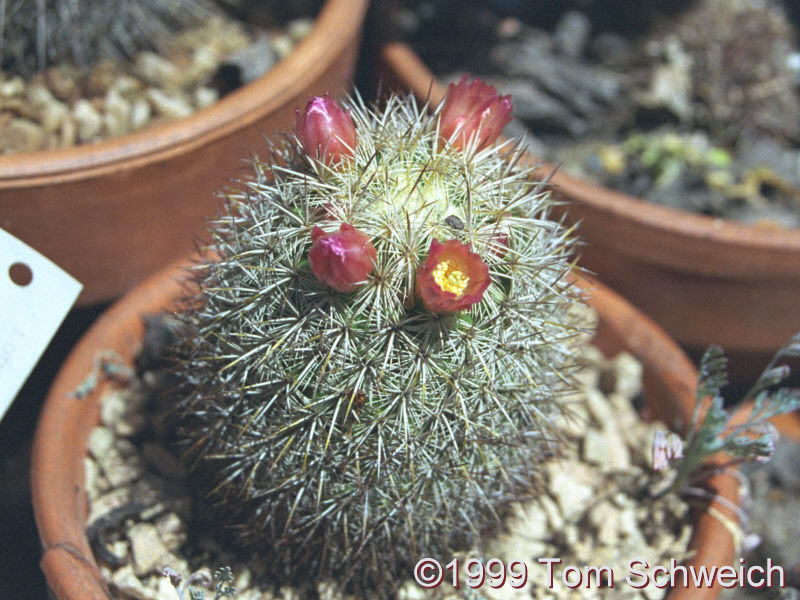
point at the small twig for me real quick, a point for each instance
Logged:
(98, 530)
(110, 366)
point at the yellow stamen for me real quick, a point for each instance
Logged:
(450, 279)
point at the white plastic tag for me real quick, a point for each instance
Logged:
(35, 296)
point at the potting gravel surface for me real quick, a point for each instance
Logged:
(694, 105)
(596, 509)
(63, 106)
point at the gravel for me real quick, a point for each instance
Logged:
(62, 106)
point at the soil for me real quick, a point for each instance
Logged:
(671, 102)
(597, 507)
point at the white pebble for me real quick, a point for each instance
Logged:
(570, 484)
(628, 373)
(598, 407)
(172, 106)
(22, 135)
(125, 85)
(90, 122)
(53, 116)
(126, 582)
(141, 112)
(68, 135)
(606, 448)
(283, 45)
(100, 442)
(147, 549)
(299, 28)
(205, 96)
(205, 61)
(13, 87)
(117, 121)
(156, 70)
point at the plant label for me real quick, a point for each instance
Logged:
(35, 296)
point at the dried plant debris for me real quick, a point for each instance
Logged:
(697, 109)
(744, 64)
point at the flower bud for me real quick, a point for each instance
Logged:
(473, 109)
(666, 447)
(342, 259)
(451, 278)
(326, 130)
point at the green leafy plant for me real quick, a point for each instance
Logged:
(371, 358)
(715, 429)
(224, 588)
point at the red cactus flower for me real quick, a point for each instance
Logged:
(341, 259)
(326, 130)
(473, 109)
(451, 278)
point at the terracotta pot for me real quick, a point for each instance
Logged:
(705, 280)
(59, 495)
(112, 213)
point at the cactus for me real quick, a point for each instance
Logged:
(35, 33)
(369, 365)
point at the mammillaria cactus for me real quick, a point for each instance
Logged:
(368, 367)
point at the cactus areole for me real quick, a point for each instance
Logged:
(367, 371)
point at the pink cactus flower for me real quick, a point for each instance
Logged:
(326, 130)
(451, 278)
(342, 259)
(666, 447)
(473, 109)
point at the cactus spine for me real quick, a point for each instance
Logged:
(348, 434)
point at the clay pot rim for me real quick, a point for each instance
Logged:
(761, 247)
(243, 107)
(57, 480)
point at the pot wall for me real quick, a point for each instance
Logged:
(112, 213)
(706, 281)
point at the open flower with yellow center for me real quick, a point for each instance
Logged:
(451, 278)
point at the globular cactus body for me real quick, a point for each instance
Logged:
(350, 433)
